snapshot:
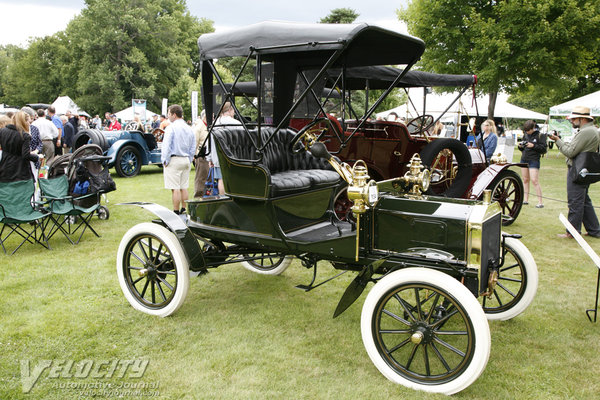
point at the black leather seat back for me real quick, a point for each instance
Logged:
(286, 172)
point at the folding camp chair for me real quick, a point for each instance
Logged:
(55, 192)
(19, 215)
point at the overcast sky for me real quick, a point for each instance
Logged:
(32, 18)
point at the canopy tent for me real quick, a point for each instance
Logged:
(127, 114)
(62, 104)
(591, 100)
(436, 104)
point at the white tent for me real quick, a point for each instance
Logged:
(591, 100)
(127, 115)
(436, 104)
(62, 104)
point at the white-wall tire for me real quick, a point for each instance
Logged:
(273, 264)
(383, 334)
(517, 283)
(153, 249)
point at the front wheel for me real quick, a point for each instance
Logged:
(517, 283)
(152, 269)
(268, 263)
(425, 330)
(507, 190)
(128, 162)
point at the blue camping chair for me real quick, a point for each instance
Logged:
(18, 214)
(55, 192)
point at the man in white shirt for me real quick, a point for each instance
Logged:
(178, 150)
(48, 132)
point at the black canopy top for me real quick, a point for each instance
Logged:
(362, 44)
(380, 77)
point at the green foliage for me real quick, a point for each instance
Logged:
(35, 74)
(340, 16)
(115, 50)
(393, 100)
(508, 44)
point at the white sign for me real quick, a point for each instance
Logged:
(194, 106)
(164, 107)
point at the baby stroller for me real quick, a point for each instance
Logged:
(86, 172)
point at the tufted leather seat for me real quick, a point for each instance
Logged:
(287, 172)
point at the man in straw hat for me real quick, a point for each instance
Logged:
(581, 209)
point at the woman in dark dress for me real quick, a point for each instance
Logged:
(16, 155)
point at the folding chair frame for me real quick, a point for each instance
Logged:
(76, 211)
(28, 236)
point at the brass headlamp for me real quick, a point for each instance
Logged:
(362, 191)
(416, 180)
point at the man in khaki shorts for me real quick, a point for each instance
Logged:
(178, 150)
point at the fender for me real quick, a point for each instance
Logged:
(116, 146)
(487, 176)
(173, 222)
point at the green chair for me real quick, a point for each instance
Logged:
(19, 215)
(55, 193)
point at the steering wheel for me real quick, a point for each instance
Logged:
(310, 134)
(420, 123)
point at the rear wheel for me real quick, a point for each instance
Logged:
(507, 190)
(425, 330)
(152, 269)
(517, 283)
(268, 263)
(128, 162)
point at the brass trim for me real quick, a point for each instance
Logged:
(474, 236)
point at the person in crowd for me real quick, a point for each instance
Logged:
(83, 123)
(532, 147)
(68, 134)
(139, 126)
(96, 122)
(581, 209)
(16, 154)
(48, 132)
(438, 128)
(164, 122)
(155, 122)
(393, 117)
(4, 120)
(201, 132)
(500, 131)
(178, 151)
(59, 126)
(74, 120)
(107, 120)
(115, 125)
(36, 140)
(225, 118)
(488, 139)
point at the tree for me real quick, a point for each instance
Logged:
(508, 44)
(340, 16)
(36, 74)
(124, 49)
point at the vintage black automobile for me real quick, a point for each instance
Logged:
(430, 258)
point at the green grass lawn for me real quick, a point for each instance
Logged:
(241, 335)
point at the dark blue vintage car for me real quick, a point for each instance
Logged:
(128, 149)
